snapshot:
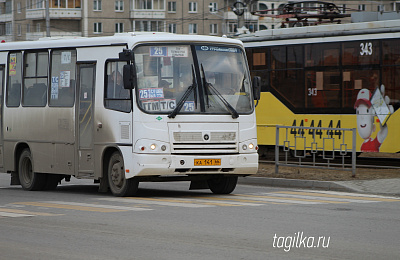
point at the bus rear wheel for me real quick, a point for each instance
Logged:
(119, 185)
(223, 184)
(29, 179)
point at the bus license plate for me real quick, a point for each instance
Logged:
(207, 162)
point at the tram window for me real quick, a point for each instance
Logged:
(354, 80)
(14, 79)
(278, 57)
(323, 89)
(288, 84)
(361, 53)
(259, 58)
(35, 79)
(390, 79)
(322, 54)
(391, 52)
(115, 96)
(62, 88)
(295, 57)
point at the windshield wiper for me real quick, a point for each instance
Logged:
(208, 85)
(184, 97)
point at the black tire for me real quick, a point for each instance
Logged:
(29, 179)
(222, 185)
(119, 185)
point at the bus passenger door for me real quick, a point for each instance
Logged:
(85, 109)
(1, 115)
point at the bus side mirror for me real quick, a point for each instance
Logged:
(129, 76)
(257, 88)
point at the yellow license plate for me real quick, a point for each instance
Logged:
(207, 162)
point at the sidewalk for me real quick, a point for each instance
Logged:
(380, 186)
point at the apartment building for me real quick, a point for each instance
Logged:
(26, 19)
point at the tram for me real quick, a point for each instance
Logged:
(336, 76)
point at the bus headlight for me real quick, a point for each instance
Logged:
(151, 146)
(249, 146)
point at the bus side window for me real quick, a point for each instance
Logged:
(35, 79)
(62, 79)
(13, 93)
(115, 96)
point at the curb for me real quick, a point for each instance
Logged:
(293, 183)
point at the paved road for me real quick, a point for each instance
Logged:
(166, 221)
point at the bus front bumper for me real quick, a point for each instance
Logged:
(170, 165)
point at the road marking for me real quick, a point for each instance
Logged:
(295, 200)
(158, 201)
(81, 206)
(352, 197)
(5, 212)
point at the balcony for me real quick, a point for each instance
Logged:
(33, 36)
(55, 13)
(5, 18)
(147, 14)
(232, 16)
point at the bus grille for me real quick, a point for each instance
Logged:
(204, 142)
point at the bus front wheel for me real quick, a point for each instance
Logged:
(223, 184)
(29, 179)
(119, 185)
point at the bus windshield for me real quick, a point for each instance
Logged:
(202, 78)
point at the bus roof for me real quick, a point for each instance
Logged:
(129, 39)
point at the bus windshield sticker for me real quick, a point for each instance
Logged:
(170, 51)
(54, 87)
(13, 64)
(65, 57)
(217, 49)
(65, 78)
(151, 93)
(166, 105)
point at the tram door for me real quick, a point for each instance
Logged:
(1, 115)
(85, 109)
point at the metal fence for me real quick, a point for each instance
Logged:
(316, 147)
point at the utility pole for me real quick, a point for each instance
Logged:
(47, 19)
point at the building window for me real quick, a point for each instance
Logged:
(119, 6)
(192, 7)
(98, 27)
(39, 4)
(38, 27)
(361, 7)
(380, 8)
(192, 28)
(213, 7)
(28, 28)
(18, 7)
(19, 29)
(64, 3)
(9, 30)
(149, 26)
(97, 5)
(172, 7)
(149, 4)
(213, 29)
(119, 27)
(343, 9)
(232, 27)
(172, 27)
